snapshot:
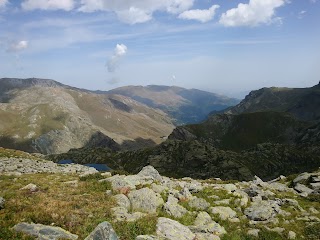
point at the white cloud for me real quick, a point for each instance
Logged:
(3, 3)
(66, 5)
(301, 14)
(134, 15)
(200, 15)
(136, 11)
(252, 14)
(119, 52)
(18, 46)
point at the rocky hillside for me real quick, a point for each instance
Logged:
(183, 105)
(303, 103)
(45, 116)
(149, 206)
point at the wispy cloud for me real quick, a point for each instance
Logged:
(18, 46)
(66, 5)
(3, 3)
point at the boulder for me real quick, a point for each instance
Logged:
(44, 232)
(103, 231)
(292, 235)
(173, 230)
(122, 201)
(302, 189)
(172, 208)
(224, 212)
(302, 177)
(198, 203)
(150, 171)
(145, 200)
(205, 224)
(262, 210)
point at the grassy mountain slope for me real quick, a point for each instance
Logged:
(183, 105)
(49, 117)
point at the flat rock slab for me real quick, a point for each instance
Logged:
(44, 232)
(224, 212)
(261, 210)
(173, 230)
(145, 200)
(103, 231)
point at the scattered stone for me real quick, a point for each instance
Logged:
(302, 189)
(158, 188)
(122, 201)
(302, 177)
(253, 232)
(198, 203)
(109, 192)
(2, 201)
(150, 171)
(224, 212)
(262, 210)
(230, 187)
(205, 224)
(292, 235)
(173, 230)
(145, 200)
(172, 208)
(44, 232)
(206, 236)
(222, 202)
(147, 237)
(30, 187)
(103, 231)
(106, 174)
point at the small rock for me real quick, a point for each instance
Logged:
(44, 232)
(205, 224)
(230, 187)
(172, 208)
(106, 174)
(302, 177)
(292, 235)
(173, 230)
(305, 191)
(147, 237)
(103, 231)
(158, 188)
(122, 201)
(222, 202)
(2, 201)
(109, 192)
(224, 212)
(253, 232)
(206, 236)
(30, 187)
(145, 200)
(150, 171)
(198, 203)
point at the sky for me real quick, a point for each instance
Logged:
(224, 46)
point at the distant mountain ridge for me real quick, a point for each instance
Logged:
(46, 116)
(182, 105)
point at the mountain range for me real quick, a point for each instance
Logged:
(271, 132)
(45, 116)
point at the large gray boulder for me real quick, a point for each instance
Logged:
(103, 231)
(205, 224)
(224, 212)
(173, 230)
(172, 208)
(44, 232)
(198, 203)
(150, 171)
(262, 210)
(145, 200)
(2, 201)
(122, 201)
(302, 189)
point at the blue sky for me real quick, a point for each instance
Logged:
(225, 46)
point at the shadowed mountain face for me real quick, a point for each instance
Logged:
(48, 117)
(303, 103)
(183, 105)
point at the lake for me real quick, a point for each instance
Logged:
(100, 167)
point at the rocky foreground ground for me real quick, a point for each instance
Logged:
(43, 200)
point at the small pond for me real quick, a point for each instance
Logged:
(98, 166)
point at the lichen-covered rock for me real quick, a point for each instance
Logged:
(302, 189)
(122, 201)
(262, 210)
(44, 232)
(292, 235)
(173, 230)
(147, 237)
(150, 171)
(103, 231)
(224, 212)
(205, 224)
(145, 200)
(172, 208)
(253, 232)
(198, 203)
(301, 177)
